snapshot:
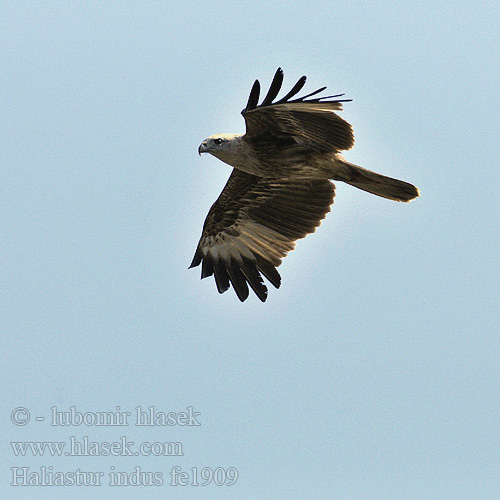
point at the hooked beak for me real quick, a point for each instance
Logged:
(203, 148)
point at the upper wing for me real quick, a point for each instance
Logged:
(253, 224)
(308, 122)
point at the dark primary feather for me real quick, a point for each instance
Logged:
(274, 88)
(301, 99)
(295, 90)
(253, 224)
(253, 98)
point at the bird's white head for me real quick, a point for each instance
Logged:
(222, 146)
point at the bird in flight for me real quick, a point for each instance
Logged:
(280, 188)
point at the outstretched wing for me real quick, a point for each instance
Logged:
(305, 121)
(253, 225)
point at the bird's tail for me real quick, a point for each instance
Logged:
(378, 184)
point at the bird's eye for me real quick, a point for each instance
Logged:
(217, 141)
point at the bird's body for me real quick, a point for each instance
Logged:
(280, 189)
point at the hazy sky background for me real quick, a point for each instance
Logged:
(373, 373)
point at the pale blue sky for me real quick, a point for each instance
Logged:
(373, 373)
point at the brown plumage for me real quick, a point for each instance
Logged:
(280, 188)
